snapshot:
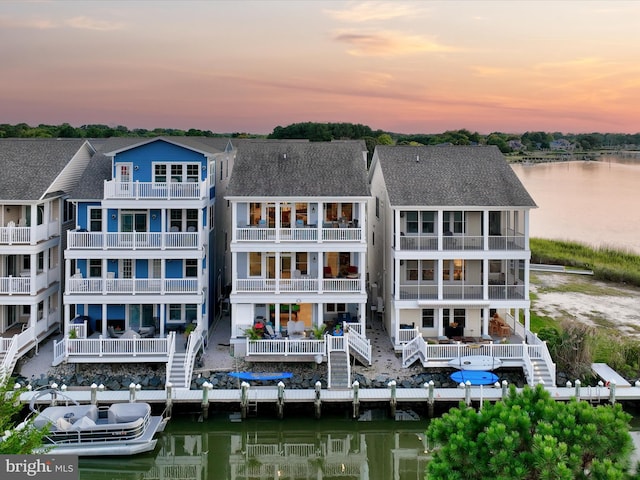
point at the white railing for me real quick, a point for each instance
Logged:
(460, 242)
(300, 234)
(113, 347)
(194, 341)
(11, 235)
(527, 365)
(285, 347)
(171, 339)
(80, 329)
(336, 344)
(541, 351)
(15, 285)
(415, 346)
(132, 240)
(152, 190)
(351, 285)
(10, 348)
(359, 343)
(405, 335)
(133, 285)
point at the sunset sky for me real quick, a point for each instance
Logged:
(249, 66)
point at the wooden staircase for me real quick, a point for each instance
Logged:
(541, 373)
(177, 373)
(339, 370)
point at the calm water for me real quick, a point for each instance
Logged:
(294, 448)
(596, 203)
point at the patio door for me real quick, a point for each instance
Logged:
(123, 178)
(140, 316)
(133, 221)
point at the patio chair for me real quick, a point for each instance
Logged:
(269, 331)
(111, 332)
(327, 272)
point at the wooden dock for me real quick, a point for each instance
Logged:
(609, 375)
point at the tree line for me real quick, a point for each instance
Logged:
(322, 132)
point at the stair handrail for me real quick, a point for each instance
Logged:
(194, 340)
(416, 345)
(171, 343)
(527, 365)
(360, 343)
(6, 369)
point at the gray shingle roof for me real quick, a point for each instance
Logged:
(91, 184)
(203, 144)
(299, 169)
(30, 165)
(450, 176)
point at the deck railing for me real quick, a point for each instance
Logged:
(132, 240)
(11, 235)
(299, 234)
(151, 190)
(112, 347)
(133, 286)
(286, 346)
(460, 242)
(460, 292)
(349, 285)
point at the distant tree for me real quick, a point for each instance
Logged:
(500, 140)
(385, 139)
(13, 440)
(531, 436)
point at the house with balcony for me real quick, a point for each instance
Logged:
(299, 249)
(37, 176)
(138, 260)
(450, 261)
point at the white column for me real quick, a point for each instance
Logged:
(485, 223)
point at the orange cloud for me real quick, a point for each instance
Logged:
(373, 11)
(389, 43)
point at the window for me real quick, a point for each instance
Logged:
(428, 318)
(428, 222)
(255, 264)
(411, 270)
(336, 307)
(191, 267)
(193, 172)
(453, 222)
(191, 312)
(95, 220)
(221, 169)
(458, 316)
(69, 212)
(176, 173)
(192, 220)
(412, 222)
(95, 267)
(179, 313)
(175, 312)
(160, 173)
(26, 262)
(453, 270)
(40, 261)
(176, 220)
(301, 262)
(126, 268)
(428, 268)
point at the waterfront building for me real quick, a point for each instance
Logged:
(140, 271)
(34, 214)
(298, 248)
(449, 229)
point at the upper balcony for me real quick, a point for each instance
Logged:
(327, 232)
(21, 234)
(155, 191)
(431, 242)
(132, 286)
(78, 239)
(27, 283)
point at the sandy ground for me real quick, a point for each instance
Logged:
(581, 298)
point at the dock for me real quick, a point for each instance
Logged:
(609, 375)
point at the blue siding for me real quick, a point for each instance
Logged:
(159, 151)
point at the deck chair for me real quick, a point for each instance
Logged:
(111, 332)
(327, 272)
(262, 223)
(269, 331)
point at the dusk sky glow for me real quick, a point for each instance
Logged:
(249, 66)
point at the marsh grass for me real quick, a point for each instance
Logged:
(606, 263)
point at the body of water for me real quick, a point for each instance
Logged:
(373, 448)
(591, 202)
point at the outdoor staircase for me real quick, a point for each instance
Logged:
(541, 372)
(177, 373)
(339, 373)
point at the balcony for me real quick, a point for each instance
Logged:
(459, 242)
(133, 240)
(22, 285)
(23, 235)
(154, 191)
(132, 286)
(304, 234)
(311, 285)
(461, 292)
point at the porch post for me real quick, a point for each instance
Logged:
(104, 318)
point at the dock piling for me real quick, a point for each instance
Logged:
(54, 396)
(612, 392)
(317, 401)
(169, 389)
(578, 389)
(280, 400)
(393, 401)
(206, 386)
(94, 394)
(356, 400)
(244, 400)
(505, 389)
(431, 399)
(467, 393)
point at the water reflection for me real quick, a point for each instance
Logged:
(595, 203)
(272, 449)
